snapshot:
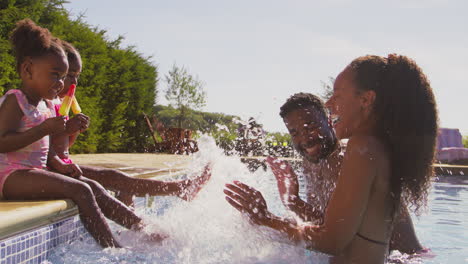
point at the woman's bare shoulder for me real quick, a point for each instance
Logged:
(366, 145)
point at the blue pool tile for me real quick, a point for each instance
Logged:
(2, 252)
(56, 241)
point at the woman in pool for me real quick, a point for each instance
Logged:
(386, 108)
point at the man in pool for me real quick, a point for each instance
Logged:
(314, 138)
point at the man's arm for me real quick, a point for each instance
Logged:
(288, 188)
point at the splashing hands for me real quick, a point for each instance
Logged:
(248, 201)
(148, 235)
(286, 180)
(190, 188)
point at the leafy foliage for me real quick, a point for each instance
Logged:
(220, 126)
(184, 92)
(117, 83)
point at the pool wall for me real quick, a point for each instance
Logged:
(36, 245)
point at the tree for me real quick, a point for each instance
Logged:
(184, 92)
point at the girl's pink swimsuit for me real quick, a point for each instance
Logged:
(33, 156)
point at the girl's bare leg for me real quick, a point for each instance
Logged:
(113, 208)
(126, 198)
(119, 181)
(42, 184)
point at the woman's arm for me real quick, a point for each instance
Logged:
(349, 201)
(344, 213)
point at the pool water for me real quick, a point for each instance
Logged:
(209, 230)
(443, 227)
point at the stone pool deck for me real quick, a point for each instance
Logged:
(20, 216)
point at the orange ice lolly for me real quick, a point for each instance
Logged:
(67, 101)
(75, 107)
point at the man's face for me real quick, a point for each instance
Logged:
(311, 133)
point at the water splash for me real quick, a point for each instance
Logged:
(206, 230)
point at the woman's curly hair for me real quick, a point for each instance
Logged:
(406, 121)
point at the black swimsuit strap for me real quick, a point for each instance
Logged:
(372, 240)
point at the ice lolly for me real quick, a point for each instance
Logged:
(67, 101)
(75, 107)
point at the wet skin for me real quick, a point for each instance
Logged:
(350, 106)
(361, 202)
(311, 133)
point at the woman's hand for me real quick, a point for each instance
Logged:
(248, 201)
(286, 180)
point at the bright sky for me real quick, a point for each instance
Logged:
(253, 54)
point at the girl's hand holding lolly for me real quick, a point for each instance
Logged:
(54, 125)
(79, 123)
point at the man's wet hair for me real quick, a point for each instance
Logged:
(301, 101)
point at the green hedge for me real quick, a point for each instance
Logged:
(116, 86)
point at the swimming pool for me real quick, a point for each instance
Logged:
(443, 227)
(208, 230)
